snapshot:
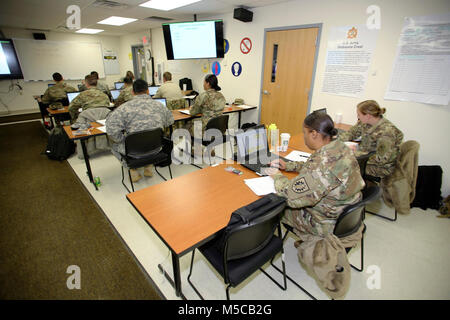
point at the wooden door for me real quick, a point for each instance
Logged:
(288, 69)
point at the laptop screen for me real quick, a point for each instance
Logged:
(251, 142)
(152, 90)
(72, 95)
(51, 85)
(119, 85)
(115, 94)
(162, 100)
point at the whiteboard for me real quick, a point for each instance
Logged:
(39, 59)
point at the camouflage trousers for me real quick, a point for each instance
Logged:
(378, 171)
(304, 223)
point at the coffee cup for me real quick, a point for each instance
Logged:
(285, 141)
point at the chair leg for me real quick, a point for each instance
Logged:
(131, 181)
(123, 182)
(161, 174)
(284, 271)
(170, 172)
(384, 217)
(189, 277)
(362, 257)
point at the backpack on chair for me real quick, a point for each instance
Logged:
(59, 146)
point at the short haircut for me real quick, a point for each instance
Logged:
(140, 86)
(91, 80)
(95, 74)
(167, 76)
(57, 76)
(128, 80)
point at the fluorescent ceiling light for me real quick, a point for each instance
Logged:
(167, 5)
(91, 31)
(116, 21)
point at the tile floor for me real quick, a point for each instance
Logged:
(412, 254)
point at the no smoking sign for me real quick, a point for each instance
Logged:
(246, 45)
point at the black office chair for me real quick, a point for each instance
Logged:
(362, 161)
(220, 123)
(348, 222)
(147, 147)
(245, 247)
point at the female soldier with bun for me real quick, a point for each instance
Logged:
(326, 183)
(377, 134)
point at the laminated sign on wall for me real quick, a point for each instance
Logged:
(349, 54)
(111, 62)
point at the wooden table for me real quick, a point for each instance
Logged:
(58, 112)
(210, 196)
(93, 133)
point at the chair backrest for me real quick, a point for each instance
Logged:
(351, 218)
(362, 161)
(143, 144)
(245, 239)
(220, 122)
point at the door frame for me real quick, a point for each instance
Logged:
(316, 54)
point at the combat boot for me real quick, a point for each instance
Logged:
(135, 175)
(148, 171)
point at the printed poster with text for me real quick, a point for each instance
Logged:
(349, 54)
(421, 71)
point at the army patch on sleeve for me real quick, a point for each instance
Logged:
(300, 186)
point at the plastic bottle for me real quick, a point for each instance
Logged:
(273, 137)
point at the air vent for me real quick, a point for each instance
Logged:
(109, 4)
(155, 18)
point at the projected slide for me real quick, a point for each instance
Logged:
(4, 69)
(193, 40)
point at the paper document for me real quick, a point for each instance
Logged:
(189, 97)
(102, 122)
(298, 156)
(102, 129)
(261, 186)
(244, 106)
(185, 112)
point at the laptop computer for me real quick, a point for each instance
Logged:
(51, 85)
(152, 90)
(162, 100)
(253, 150)
(119, 85)
(72, 95)
(115, 93)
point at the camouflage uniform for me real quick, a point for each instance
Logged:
(125, 95)
(141, 113)
(56, 93)
(328, 182)
(92, 98)
(100, 86)
(210, 104)
(169, 90)
(383, 138)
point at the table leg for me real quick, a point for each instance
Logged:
(239, 119)
(176, 283)
(86, 160)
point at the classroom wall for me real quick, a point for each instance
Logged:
(428, 124)
(18, 103)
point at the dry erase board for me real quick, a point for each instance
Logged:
(39, 59)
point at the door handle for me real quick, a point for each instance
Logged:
(266, 92)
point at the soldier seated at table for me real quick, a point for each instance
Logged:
(101, 86)
(138, 114)
(126, 94)
(54, 95)
(91, 98)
